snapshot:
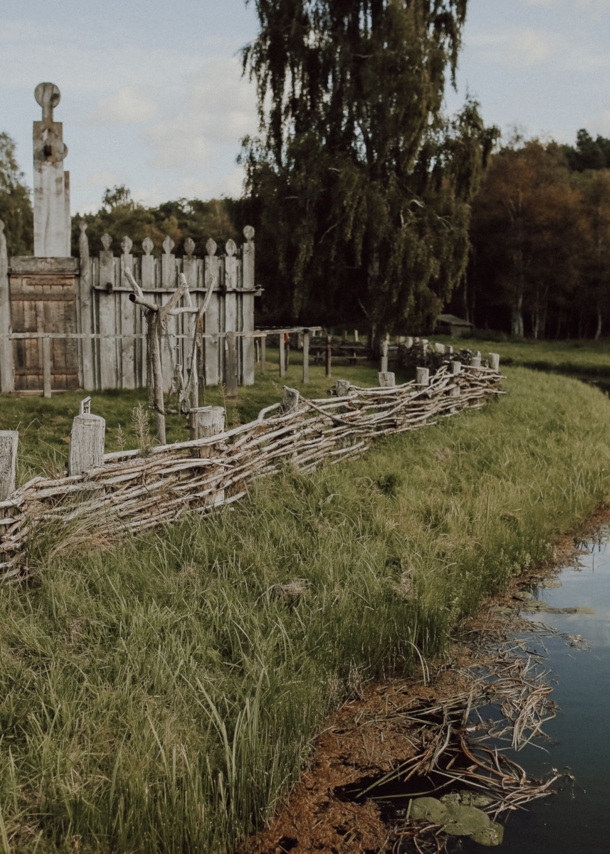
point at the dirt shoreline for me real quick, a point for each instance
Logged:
(369, 735)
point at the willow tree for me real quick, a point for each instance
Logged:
(363, 186)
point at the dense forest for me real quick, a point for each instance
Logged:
(539, 258)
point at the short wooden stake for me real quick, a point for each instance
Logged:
(409, 342)
(422, 376)
(456, 367)
(342, 388)
(206, 421)
(46, 367)
(387, 379)
(305, 355)
(87, 440)
(494, 362)
(329, 355)
(257, 351)
(282, 355)
(440, 348)
(475, 362)
(263, 354)
(356, 336)
(231, 368)
(9, 439)
(291, 399)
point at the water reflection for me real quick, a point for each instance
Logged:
(578, 818)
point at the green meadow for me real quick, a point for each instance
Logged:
(163, 695)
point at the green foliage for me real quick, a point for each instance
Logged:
(588, 153)
(120, 216)
(157, 696)
(15, 203)
(362, 187)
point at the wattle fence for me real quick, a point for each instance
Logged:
(132, 491)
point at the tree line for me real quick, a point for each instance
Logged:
(370, 204)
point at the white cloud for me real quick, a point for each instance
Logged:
(217, 110)
(123, 108)
(527, 48)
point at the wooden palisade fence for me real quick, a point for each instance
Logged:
(131, 491)
(68, 323)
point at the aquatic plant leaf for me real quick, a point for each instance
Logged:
(429, 809)
(465, 820)
(491, 835)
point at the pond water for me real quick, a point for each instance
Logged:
(578, 818)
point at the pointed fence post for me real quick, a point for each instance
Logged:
(9, 439)
(305, 356)
(7, 370)
(456, 368)
(342, 388)
(387, 379)
(231, 365)
(87, 440)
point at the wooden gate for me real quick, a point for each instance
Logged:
(43, 300)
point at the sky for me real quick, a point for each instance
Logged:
(152, 94)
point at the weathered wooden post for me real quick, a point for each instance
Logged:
(329, 355)
(384, 354)
(86, 440)
(290, 400)
(422, 376)
(475, 362)
(409, 342)
(282, 354)
(387, 379)
(342, 388)
(206, 421)
(9, 439)
(46, 366)
(456, 368)
(257, 357)
(355, 336)
(231, 365)
(263, 354)
(7, 374)
(305, 355)
(494, 362)
(440, 348)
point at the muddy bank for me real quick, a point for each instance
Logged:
(339, 804)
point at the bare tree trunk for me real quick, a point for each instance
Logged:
(516, 325)
(535, 322)
(598, 331)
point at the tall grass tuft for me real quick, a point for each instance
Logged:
(163, 695)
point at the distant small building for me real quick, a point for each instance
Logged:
(449, 324)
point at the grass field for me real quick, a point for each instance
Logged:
(161, 696)
(586, 359)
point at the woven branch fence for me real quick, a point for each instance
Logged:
(133, 492)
